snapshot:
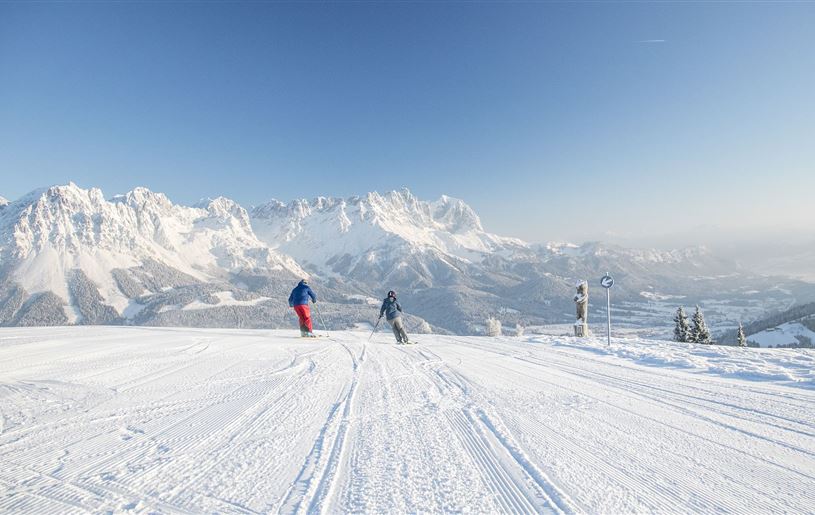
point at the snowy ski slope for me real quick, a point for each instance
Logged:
(105, 419)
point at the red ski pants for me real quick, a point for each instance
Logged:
(304, 314)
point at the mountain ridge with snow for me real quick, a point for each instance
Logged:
(69, 255)
(396, 231)
(62, 228)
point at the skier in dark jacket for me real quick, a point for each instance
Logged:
(298, 299)
(393, 314)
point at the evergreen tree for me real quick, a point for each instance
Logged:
(699, 333)
(741, 337)
(682, 329)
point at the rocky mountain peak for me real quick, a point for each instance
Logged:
(456, 215)
(141, 198)
(226, 210)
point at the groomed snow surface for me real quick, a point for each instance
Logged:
(106, 419)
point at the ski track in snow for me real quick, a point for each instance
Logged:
(174, 420)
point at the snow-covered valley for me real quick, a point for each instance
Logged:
(106, 419)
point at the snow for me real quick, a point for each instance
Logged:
(49, 270)
(132, 309)
(782, 335)
(659, 296)
(132, 419)
(364, 298)
(795, 369)
(72, 313)
(225, 298)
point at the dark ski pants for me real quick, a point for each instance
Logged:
(398, 330)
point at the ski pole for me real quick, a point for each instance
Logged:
(377, 325)
(320, 315)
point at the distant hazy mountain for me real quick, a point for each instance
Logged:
(68, 255)
(796, 260)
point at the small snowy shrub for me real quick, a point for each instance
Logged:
(424, 328)
(493, 327)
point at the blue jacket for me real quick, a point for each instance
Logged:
(300, 294)
(391, 308)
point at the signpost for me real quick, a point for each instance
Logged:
(607, 282)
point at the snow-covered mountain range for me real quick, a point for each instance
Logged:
(69, 255)
(392, 238)
(63, 243)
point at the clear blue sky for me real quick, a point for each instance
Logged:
(678, 113)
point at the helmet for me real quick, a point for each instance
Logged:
(304, 281)
(392, 294)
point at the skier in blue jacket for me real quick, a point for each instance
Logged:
(393, 314)
(298, 299)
